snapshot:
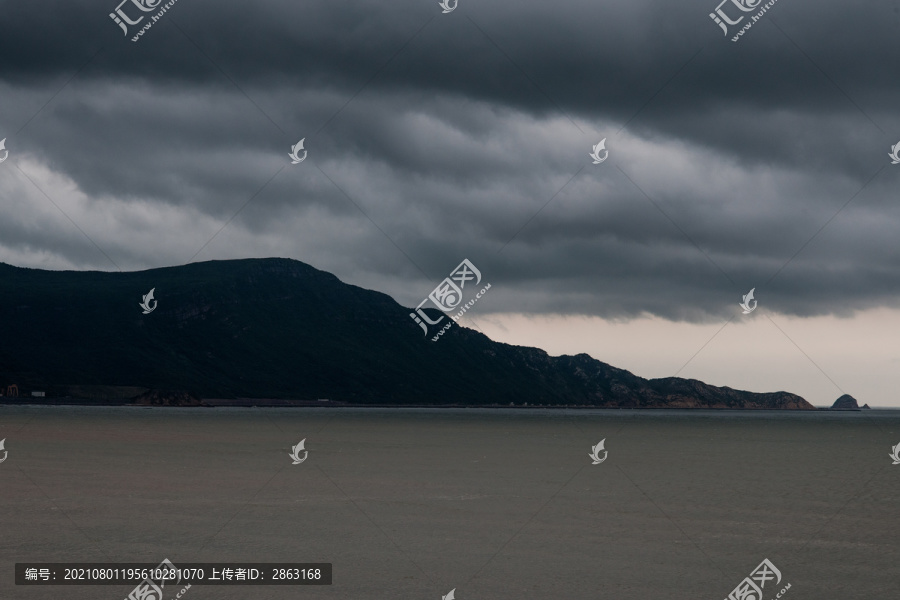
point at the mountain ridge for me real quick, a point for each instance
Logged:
(279, 328)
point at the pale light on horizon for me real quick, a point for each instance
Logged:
(818, 358)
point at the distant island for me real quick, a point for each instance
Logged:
(280, 332)
(847, 402)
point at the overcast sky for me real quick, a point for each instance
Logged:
(434, 137)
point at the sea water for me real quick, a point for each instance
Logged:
(496, 504)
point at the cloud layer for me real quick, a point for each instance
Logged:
(435, 137)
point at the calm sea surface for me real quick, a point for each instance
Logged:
(498, 504)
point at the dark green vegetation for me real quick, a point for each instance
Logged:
(278, 328)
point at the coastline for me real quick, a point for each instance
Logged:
(286, 403)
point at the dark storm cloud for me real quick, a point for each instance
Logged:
(453, 133)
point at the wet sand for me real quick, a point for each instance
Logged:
(499, 504)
